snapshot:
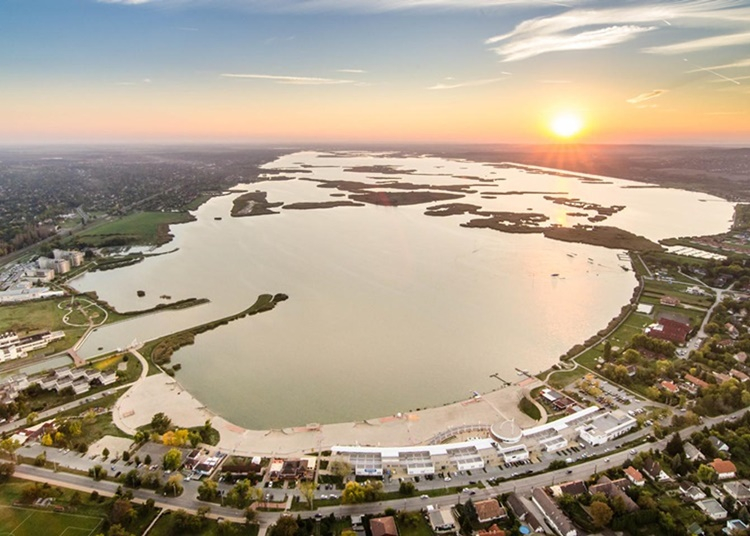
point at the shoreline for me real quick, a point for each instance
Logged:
(135, 408)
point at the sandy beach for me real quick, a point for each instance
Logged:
(161, 392)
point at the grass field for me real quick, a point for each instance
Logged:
(39, 315)
(17, 521)
(142, 228)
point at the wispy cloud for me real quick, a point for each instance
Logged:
(541, 44)
(351, 71)
(470, 83)
(702, 44)
(582, 29)
(291, 80)
(647, 96)
(734, 65)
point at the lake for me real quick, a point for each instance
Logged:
(389, 310)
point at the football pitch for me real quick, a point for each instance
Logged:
(30, 522)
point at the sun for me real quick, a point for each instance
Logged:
(566, 125)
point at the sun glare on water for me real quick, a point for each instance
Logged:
(566, 125)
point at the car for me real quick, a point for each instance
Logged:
(324, 497)
(472, 492)
(424, 496)
(606, 460)
(632, 451)
(570, 471)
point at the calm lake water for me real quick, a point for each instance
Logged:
(389, 310)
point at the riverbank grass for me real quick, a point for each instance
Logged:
(143, 228)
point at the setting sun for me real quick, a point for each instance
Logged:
(566, 125)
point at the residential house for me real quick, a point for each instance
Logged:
(670, 301)
(635, 476)
(574, 488)
(653, 470)
(383, 526)
(724, 468)
(739, 375)
(442, 521)
(712, 508)
(494, 530)
(669, 386)
(695, 530)
(489, 510)
(740, 357)
(732, 330)
(691, 492)
(719, 444)
(552, 513)
(739, 491)
(721, 377)
(692, 453)
(697, 382)
(523, 513)
(614, 488)
(735, 527)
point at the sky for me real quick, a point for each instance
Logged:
(424, 71)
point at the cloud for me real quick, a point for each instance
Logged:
(717, 41)
(291, 80)
(541, 44)
(734, 65)
(351, 71)
(582, 29)
(470, 83)
(647, 96)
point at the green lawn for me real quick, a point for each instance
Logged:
(562, 378)
(140, 228)
(165, 527)
(420, 529)
(18, 521)
(39, 315)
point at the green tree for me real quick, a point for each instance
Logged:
(307, 490)
(208, 490)
(172, 460)
(285, 526)
(601, 514)
(6, 471)
(31, 418)
(160, 423)
(122, 513)
(406, 488)
(97, 472)
(706, 474)
(340, 468)
(353, 493)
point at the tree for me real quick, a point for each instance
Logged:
(147, 459)
(406, 488)
(10, 446)
(353, 493)
(97, 472)
(208, 490)
(31, 418)
(132, 478)
(125, 455)
(176, 438)
(250, 515)
(122, 512)
(706, 474)
(340, 468)
(118, 530)
(174, 484)
(172, 460)
(674, 446)
(601, 514)
(307, 489)
(160, 423)
(105, 453)
(285, 526)
(6, 471)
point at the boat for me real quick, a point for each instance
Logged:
(571, 254)
(555, 275)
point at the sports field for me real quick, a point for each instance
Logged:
(17, 521)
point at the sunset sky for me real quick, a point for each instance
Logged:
(374, 70)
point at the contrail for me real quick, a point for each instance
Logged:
(715, 73)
